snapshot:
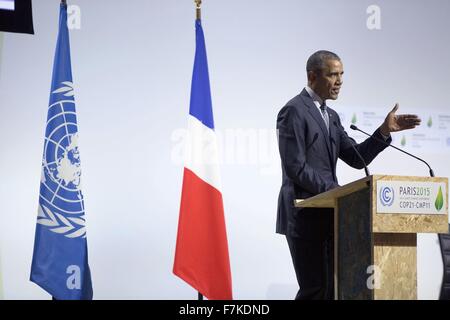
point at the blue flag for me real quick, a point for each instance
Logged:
(60, 257)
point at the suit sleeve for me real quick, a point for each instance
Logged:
(291, 142)
(368, 149)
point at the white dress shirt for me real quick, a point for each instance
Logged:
(316, 99)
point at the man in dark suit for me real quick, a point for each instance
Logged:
(311, 139)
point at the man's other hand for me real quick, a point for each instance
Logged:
(400, 122)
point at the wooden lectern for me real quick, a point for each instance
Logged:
(376, 221)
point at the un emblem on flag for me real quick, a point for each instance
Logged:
(61, 199)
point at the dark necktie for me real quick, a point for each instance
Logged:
(323, 108)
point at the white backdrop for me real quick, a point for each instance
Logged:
(132, 64)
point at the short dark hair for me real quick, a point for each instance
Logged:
(317, 60)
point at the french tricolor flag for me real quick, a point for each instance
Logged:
(201, 256)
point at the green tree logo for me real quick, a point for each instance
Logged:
(430, 123)
(439, 203)
(403, 142)
(354, 119)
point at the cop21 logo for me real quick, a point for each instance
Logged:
(387, 196)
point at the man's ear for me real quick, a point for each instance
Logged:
(312, 76)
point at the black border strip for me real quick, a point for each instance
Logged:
(20, 20)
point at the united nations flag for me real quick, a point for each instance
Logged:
(60, 258)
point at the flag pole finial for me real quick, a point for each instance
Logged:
(199, 9)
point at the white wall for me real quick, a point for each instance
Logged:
(132, 65)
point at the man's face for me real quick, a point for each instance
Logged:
(327, 83)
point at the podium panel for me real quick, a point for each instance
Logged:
(376, 224)
(354, 238)
(396, 257)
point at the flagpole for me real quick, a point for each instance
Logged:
(198, 9)
(63, 2)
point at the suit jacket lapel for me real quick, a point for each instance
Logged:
(314, 111)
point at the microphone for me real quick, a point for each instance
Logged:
(353, 127)
(366, 169)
